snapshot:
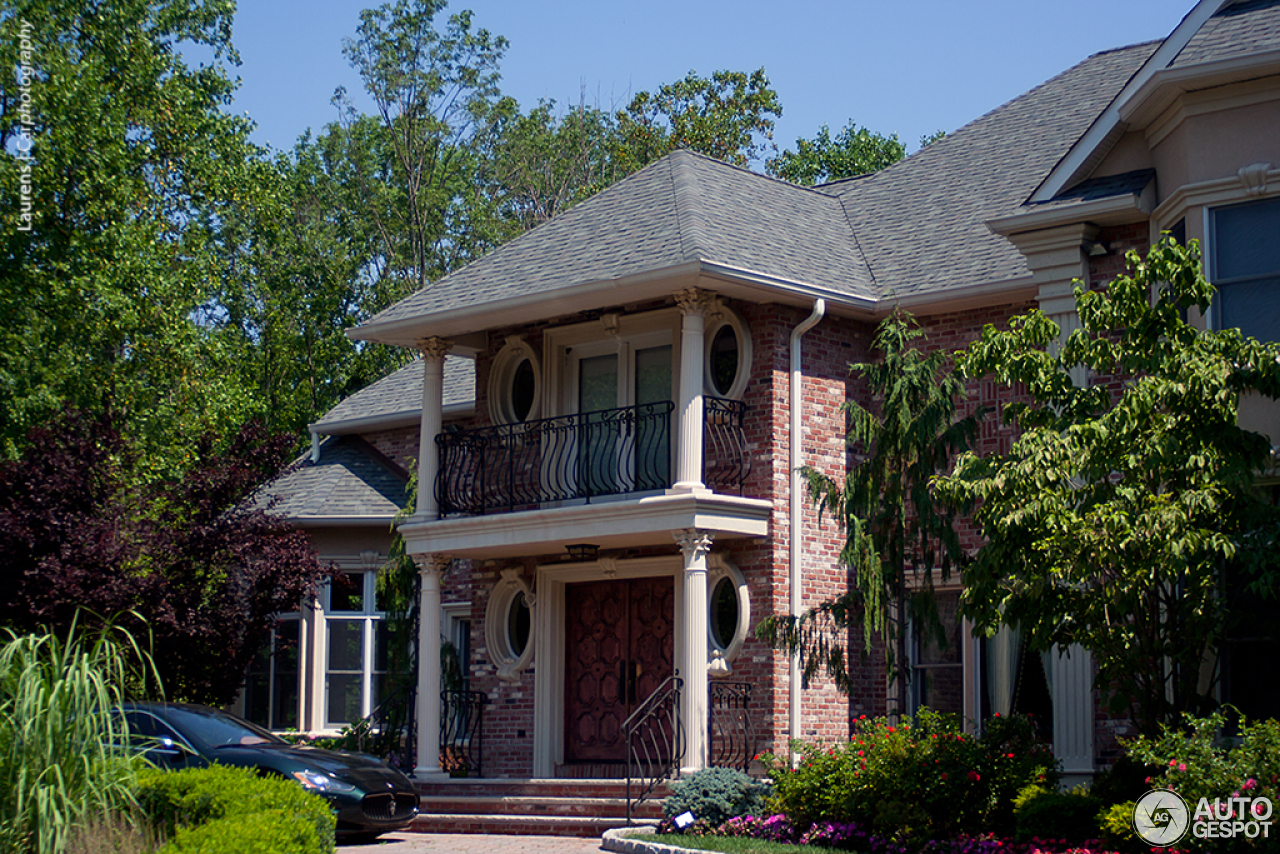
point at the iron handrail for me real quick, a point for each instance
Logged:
(462, 731)
(730, 736)
(655, 742)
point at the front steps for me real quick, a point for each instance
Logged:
(585, 808)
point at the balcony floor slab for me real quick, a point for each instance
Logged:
(610, 524)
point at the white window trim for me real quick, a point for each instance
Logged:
(513, 353)
(727, 317)
(496, 621)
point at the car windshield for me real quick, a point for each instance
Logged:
(210, 728)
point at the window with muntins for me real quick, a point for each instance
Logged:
(355, 648)
(1244, 245)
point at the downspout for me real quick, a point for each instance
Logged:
(315, 447)
(794, 717)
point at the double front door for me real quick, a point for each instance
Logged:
(619, 647)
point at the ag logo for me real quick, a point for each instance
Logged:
(1160, 817)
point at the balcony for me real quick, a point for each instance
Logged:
(583, 457)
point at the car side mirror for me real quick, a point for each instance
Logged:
(168, 750)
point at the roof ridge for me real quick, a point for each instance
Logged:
(765, 176)
(689, 218)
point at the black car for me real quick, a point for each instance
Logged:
(368, 796)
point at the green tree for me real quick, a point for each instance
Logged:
(728, 116)
(853, 151)
(1125, 522)
(545, 163)
(896, 533)
(301, 270)
(107, 259)
(435, 91)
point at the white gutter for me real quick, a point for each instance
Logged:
(794, 716)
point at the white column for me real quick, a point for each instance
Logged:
(693, 666)
(695, 306)
(433, 352)
(431, 568)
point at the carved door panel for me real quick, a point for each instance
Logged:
(619, 647)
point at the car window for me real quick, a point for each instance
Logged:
(209, 728)
(147, 726)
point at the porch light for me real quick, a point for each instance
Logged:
(582, 551)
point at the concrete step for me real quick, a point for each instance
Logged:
(524, 805)
(584, 808)
(515, 825)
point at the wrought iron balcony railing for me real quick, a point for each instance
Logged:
(582, 456)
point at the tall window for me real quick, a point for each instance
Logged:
(271, 687)
(1244, 245)
(356, 648)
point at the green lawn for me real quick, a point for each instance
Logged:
(731, 844)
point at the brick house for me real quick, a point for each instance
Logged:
(609, 409)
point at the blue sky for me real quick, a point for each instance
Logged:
(908, 67)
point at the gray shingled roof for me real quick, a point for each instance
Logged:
(681, 209)
(921, 221)
(351, 479)
(1237, 30)
(400, 394)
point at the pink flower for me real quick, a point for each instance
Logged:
(1182, 766)
(1249, 784)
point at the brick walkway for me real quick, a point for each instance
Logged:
(469, 843)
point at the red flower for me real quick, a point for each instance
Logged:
(974, 776)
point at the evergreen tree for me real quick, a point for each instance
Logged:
(897, 534)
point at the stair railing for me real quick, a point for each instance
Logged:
(730, 737)
(462, 731)
(655, 741)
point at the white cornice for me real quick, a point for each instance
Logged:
(609, 524)
(389, 421)
(1114, 210)
(1162, 89)
(1109, 125)
(307, 521)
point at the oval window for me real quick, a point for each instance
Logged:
(518, 625)
(724, 359)
(523, 389)
(724, 612)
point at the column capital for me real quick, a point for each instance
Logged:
(434, 349)
(693, 542)
(433, 564)
(698, 301)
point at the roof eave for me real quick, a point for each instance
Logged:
(1113, 210)
(583, 296)
(389, 421)
(1164, 87)
(320, 521)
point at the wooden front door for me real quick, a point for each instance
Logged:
(619, 647)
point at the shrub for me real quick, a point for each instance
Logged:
(1197, 762)
(917, 780)
(60, 758)
(197, 806)
(1070, 816)
(271, 831)
(715, 795)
